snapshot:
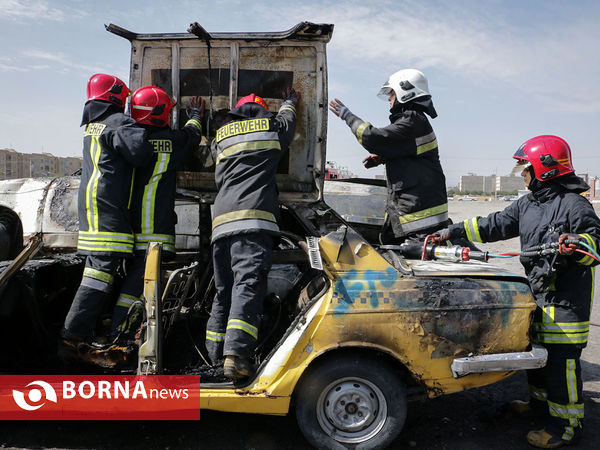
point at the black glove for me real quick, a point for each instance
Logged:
(291, 95)
(339, 109)
(567, 249)
(442, 235)
(372, 161)
(196, 109)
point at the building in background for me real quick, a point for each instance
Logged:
(478, 183)
(510, 183)
(31, 165)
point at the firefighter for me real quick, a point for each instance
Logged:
(113, 144)
(417, 202)
(153, 200)
(562, 283)
(245, 213)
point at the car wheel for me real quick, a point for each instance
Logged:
(351, 402)
(11, 234)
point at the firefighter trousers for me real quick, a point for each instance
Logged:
(92, 295)
(558, 389)
(241, 264)
(128, 310)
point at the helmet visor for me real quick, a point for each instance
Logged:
(522, 164)
(385, 92)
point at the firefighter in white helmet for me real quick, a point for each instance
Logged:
(417, 201)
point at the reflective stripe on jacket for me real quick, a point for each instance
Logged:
(113, 144)
(417, 197)
(153, 206)
(246, 153)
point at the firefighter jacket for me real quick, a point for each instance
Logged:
(154, 185)
(246, 152)
(562, 285)
(113, 144)
(416, 183)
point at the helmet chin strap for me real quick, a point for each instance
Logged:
(535, 184)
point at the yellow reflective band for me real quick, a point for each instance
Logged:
(98, 275)
(243, 214)
(126, 300)
(92, 248)
(564, 338)
(102, 240)
(467, 229)
(573, 327)
(149, 196)
(360, 130)
(423, 214)
(131, 189)
(194, 123)
(243, 146)
(472, 230)
(216, 337)
(569, 411)
(244, 326)
(585, 259)
(426, 147)
(475, 225)
(571, 381)
(287, 108)
(91, 200)
(103, 235)
(548, 314)
(242, 127)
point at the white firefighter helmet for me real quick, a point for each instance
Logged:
(408, 84)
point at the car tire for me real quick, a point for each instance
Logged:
(351, 402)
(11, 234)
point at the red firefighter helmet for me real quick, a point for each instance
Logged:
(252, 98)
(151, 105)
(550, 156)
(108, 88)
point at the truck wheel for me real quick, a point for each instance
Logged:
(11, 234)
(353, 402)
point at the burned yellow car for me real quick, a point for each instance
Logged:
(351, 331)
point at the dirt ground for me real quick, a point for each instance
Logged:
(469, 420)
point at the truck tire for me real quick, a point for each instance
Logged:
(351, 402)
(11, 234)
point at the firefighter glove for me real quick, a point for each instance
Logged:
(291, 95)
(339, 109)
(372, 161)
(567, 243)
(442, 235)
(196, 109)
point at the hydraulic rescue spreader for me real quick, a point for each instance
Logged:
(432, 249)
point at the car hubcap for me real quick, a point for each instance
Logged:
(351, 410)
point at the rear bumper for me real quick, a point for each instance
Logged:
(500, 362)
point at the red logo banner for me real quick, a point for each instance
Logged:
(99, 397)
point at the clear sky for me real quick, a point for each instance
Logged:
(500, 71)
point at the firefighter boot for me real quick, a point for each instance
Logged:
(237, 367)
(117, 355)
(520, 408)
(544, 439)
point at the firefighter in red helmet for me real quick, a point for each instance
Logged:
(153, 199)
(556, 215)
(246, 153)
(113, 144)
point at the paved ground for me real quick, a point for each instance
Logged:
(470, 420)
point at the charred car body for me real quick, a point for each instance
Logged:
(350, 331)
